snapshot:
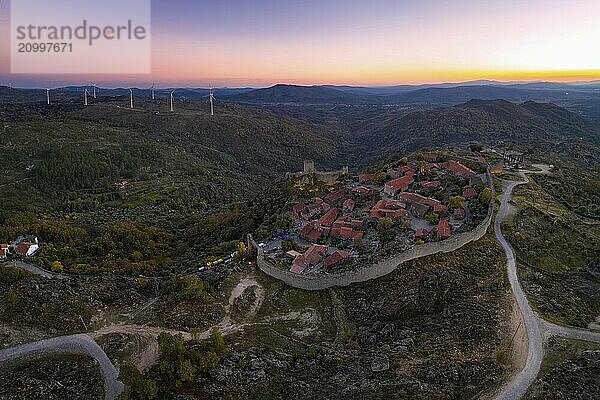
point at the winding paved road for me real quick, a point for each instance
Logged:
(74, 344)
(536, 327)
(535, 350)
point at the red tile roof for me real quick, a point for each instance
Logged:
(394, 213)
(400, 183)
(443, 229)
(344, 227)
(335, 258)
(357, 223)
(298, 267)
(439, 207)
(394, 173)
(315, 253)
(346, 231)
(312, 256)
(361, 190)
(457, 168)
(334, 197)
(298, 209)
(311, 232)
(339, 222)
(367, 177)
(385, 207)
(417, 198)
(349, 203)
(4, 246)
(375, 210)
(469, 192)
(328, 218)
(421, 232)
(23, 248)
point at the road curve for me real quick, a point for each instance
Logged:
(34, 269)
(74, 344)
(571, 332)
(517, 387)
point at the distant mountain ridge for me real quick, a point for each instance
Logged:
(443, 94)
(297, 94)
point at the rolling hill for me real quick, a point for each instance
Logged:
(401, 129)
(294, 94)
(219, 159)
(581, 98)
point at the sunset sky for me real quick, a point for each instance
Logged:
(377, 42)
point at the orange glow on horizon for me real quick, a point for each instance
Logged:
(384, 42)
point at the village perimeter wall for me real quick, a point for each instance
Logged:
(383, 267)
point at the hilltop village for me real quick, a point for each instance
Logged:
(340, 219)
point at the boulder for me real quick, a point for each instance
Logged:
(380, 364)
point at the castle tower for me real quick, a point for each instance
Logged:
(309, 167)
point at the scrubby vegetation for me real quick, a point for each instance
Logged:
(570, 370)
(379, 339)
(52, 377)
(557, 255)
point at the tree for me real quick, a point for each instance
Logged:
(432, 218)
(241, 253)
(456, 202)
(11, 299)
(170, 346)
(195, 334)
(403, 160)
(56, 266)
(186, 371)
(194, 288)
(209, 361)
(486, 196)
(137, 256)
(139, 387)
(79, 307)
(217, 342)
(289, 244)
(405, 224)
(381, 178)
(384, 224)
(387, 236)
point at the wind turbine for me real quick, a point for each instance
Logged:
(85, 99)
(153, 96)
(94, 89)
(48, 96)
(211, 97)
(131, 98)
(172, 100)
